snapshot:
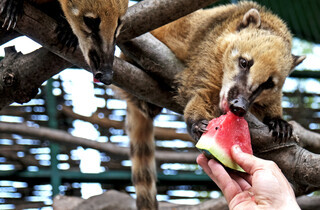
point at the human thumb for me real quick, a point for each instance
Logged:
(246, 161)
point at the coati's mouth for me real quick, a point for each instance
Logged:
(238, 106)
(224, 105)
(101, 66)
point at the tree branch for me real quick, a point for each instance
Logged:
(300, 166)
(155, 57)
(307, 139)
(6, 36)
(148, 15)
(22, 75)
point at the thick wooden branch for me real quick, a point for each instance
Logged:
(22, 75)
(300, 166)
(309, 202)
(307, 139)
(155, 57)
(148, 15)
(41, 28)
(6, 36)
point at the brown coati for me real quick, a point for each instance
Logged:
(237, 58)
(96, 24)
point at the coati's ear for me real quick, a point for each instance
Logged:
(296, 61)
(251, 17)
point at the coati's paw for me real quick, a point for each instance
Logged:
(196, 129)
(11, 10)
(66, 37)
(281, 129)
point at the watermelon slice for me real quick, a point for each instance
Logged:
(224, 132)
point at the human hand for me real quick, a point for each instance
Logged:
(264, 187)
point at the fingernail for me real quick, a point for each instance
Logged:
(237, 148)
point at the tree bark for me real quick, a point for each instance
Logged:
(155, 58)
(300, 166)
(148, 15)
(6, 36)
(307, 139)
(22, 75)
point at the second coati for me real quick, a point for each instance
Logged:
(237, 58)
(96, 24)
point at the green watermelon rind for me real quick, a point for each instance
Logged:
(207, 144)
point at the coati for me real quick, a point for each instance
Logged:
(237, 57)
(96, 24)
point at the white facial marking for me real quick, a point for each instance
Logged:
(235, 53)
(91, 15)
(75, 11)
(224, 95)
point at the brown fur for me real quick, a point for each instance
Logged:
(205, 39)
(41, 1)
(140, 130)
(96, 23)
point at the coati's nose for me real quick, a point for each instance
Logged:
(104, 77)
(239, 106)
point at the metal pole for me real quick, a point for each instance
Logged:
(51, 104)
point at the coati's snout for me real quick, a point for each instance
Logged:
(101, 64)
(239, 106)
(96, 24)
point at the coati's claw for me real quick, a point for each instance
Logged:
(281, 129)
(12, 10)
(196, 129)
(66, 37)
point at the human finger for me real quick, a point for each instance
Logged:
(243, 183)
(248, 162)
(203, 162)
(220, 176)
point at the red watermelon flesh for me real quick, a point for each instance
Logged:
(224, 132)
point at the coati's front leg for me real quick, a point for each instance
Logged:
(271, 116)
(281, 129)
(65, 35)
(198, 112)
(12, 10)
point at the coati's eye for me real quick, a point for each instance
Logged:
(245, 64)
(268, 84)
(92, 23)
